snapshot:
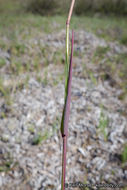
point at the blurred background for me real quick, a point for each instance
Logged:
(53, 7)
(49, 7)
(32, 58)
(82, 7)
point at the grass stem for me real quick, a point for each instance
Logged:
(64, 162)
(65, 118)
(66, 110)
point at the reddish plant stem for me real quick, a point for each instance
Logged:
(66, 118)
(64, 162)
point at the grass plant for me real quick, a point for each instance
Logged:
(45, 81)
(2, 62)
(66, 110)
(101, 51)
(103, 124)
(124, 154)
(39, 137)
(5, 92)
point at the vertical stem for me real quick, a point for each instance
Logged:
(65, 118)
(64, 162)
(70, 11)
(67, 44)
(67, 58)
(66, 110)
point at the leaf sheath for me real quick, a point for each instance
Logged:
(66, 110)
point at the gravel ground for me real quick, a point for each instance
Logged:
(30, 140)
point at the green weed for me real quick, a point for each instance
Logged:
(39, 78)
(5, 92)
(124, 154)
(85, 183)
(36, 64)
(57, 80)
(45, 80)
(2, 44)
(44, 51)
(8, 163)
(55, 125)
(16, 67)
(103, 124)
(101, 51)
(123, 39)
(5, 168)
(123, 95)
(58, 57)
(26, 81)
(19, 48)
(93, 79)
(121, 58)
(2, 115)
(84, 70)
(31, 129)
(2, 62)
(38, 138)
(125, 188)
